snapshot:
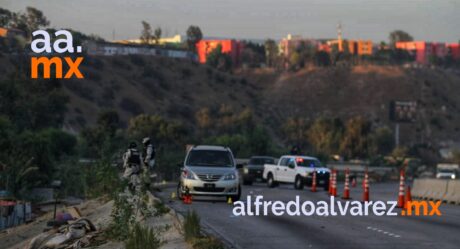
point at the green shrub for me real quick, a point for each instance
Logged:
(122, 219)
(207, 243)
(191, 226)
(161, 208)
(143, 238)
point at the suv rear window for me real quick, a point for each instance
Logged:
(209, 158)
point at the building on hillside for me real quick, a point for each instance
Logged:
(355, 47)
(10, 32)
(231, 47)
(293, 42)
(110, 49)
(360, 47)
(423, 50)
(177, 39)
(454, 50)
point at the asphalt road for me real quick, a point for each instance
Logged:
(323, 232)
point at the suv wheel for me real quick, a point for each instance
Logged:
(236, 197)
(179, 192)
(298, 184)
(271, 181)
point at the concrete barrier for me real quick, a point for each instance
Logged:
(437, 188)
(418, 188)
(453, 192)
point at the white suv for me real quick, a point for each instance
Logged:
(210, 170)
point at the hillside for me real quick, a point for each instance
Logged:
(178, 89)
(366, 91)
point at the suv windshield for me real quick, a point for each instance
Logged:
(308, 163)
(261, 161)
(209, 158)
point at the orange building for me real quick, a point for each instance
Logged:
(454, 50)
(231, 47)
(360, 47)
(424, 50)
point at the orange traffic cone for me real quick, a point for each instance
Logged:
(346, 190)
(187, 197)
(366, 187)
(401, 190)
(408, 197)
(334, 183)
(313, 183)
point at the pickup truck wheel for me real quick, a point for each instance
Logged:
(326, 186)
(298, 184)
(270, 181)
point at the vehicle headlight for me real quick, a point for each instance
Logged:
(189, 175)
(230, 176)
(245, 170)
(452, 176)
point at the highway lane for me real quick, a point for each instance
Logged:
(324, 232)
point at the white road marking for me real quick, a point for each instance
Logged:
(383, 232)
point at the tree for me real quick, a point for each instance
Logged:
(382, 141)
(5, 17)
(294, 60)
(253, 54)
(157, 35)
(194, 35)
(259, 141)
(295, 130)
(203, 118)
(271, 52)
(35, 19)
(219, 60)
(32, 20)
(146, 35)
(355, 140)
(399, 36)
(109, 121)
(162, 131)
(325, 135)
(322, 59)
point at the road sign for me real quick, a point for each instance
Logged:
(403, 111)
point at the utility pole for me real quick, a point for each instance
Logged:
(339, 36)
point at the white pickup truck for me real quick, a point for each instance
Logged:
(297, 170)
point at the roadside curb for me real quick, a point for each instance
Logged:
(206, 228)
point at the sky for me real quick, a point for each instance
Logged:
(431, 20)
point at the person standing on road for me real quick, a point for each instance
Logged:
(149, 155)
(132, 160)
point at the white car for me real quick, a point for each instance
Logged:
(297, 170)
